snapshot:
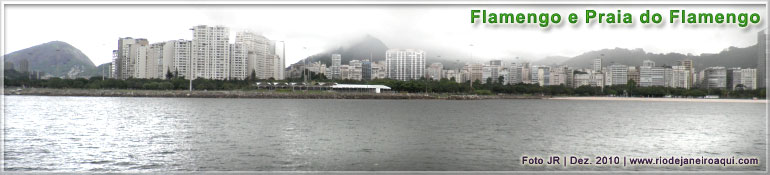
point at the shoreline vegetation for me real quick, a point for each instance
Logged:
(269, 94)
(319, 87)
(658, 99)
(316, 94)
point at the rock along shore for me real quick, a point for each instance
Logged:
(250, 94)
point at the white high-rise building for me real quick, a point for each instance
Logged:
(598, 64)
(541, 75)
(714, 77)
(346, 72)
(680, 77)
(379, 70)
(211, 52)
(490, 72)
(356, 70)
(405, 64)
(318, 68)
(434, 71)
(154, 64)
(139, 58)
(114, 64)
(336, 63)
(649, 75)
(265, 58)
(744, 77)
(514, 73)
(506, 76)
(181, 57)
(449, 74)
(581, 79)
(558, 76)
(238, 61)
(280, 61)
(619, 74)
(596, 79)
(749, 79)
(130, 52)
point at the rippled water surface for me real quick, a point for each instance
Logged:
(193, 134)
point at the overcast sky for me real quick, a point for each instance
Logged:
(439, 29)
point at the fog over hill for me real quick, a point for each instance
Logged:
(729, 57)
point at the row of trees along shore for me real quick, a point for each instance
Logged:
(449, 86)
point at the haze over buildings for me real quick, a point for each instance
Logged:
(448, 35)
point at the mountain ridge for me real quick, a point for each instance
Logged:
(55, 58)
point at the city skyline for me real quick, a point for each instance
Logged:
(320, 29)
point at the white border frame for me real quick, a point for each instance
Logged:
(376, 2)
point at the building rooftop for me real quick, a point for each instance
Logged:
(360, 86)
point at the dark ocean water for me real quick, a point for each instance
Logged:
(123, 134)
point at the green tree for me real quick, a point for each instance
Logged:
(169, 75)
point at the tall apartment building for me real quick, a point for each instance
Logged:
(596, 79)
(558, 76)
(131, 53)
(541, 75)
(570, 72)
(434, 71)
(714, 77)
(356, 70)
(318, 68)
(345, 72)
(474, 72)
(23, 65)
(211, 52)
(490, 72)
(450, 74)
(744, 77)
(239, 61)
(366, 70)
(279, 63)
(649, 75)
(336, 63)
(680, 77)
(154, 62)
(208, 55)
(514, 73)
(181, 56)
(139, 60)
(619, 74)
(506, 76)
(405, 64)
(587, 77)
(581, 79)
(688, 65)
(633, 74)
(113, 65)
(264, 57)
(379, 70)
(525, 73)
(597, 64)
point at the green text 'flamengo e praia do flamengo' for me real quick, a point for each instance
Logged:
(619, 17)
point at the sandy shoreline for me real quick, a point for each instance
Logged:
(661, 99)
